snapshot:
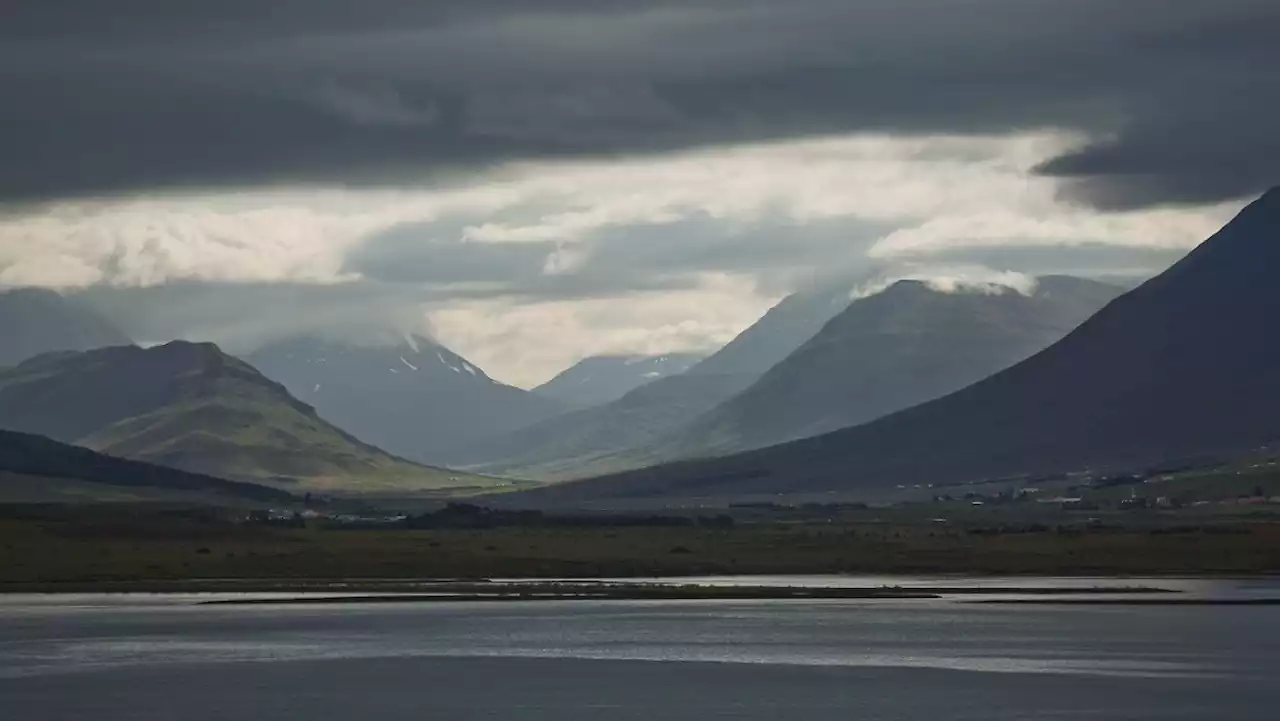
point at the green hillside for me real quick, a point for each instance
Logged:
(192, 407)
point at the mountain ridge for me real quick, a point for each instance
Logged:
(597, 380)
(598, 439)
(890, 350)
(1181, 366)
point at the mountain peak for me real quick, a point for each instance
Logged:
(188, 346)
(1242, 255)
(920, 288)
(601, 379)
(197, 354)
(407, 393)
(1268, 203)
(175, 359)
(908, 285)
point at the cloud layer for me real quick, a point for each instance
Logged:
(1173, 101)
(537, 264)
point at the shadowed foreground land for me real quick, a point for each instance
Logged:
(78, 549)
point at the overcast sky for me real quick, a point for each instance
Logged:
(534, 181)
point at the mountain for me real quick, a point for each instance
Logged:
(190, 406)
(600, 379)
(415, 398)
(1186, 365)
(36, 469)
(35, 321)
(794, 320)
(600, 439)
(897, 348)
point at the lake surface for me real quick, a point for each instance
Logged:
(114, 658)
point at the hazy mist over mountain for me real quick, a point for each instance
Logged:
(35, 321)
(600, 438)
(416, 398)
(599, 379)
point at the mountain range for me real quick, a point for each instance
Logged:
(909, 343)
(415, 398)
(192, 407)
(905, 344)
(35, 321)
(601, 379)
(598, 439)
(1186, 365)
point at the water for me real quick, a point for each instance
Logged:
(164, 657)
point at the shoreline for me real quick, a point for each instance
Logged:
(486, 586)
(959, 588)
(592, 589)
(1129, 602)
(690, 592)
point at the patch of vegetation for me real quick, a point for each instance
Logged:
(103, 548)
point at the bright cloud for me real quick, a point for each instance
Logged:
(662, 253)
(528, 344)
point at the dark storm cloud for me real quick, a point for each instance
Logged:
(1180, 97)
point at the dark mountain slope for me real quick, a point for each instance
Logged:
(189, 406)
(889, 351)
(35, 321)
(1188, 364)
(787, 325)
(599, 439)
(601, 379)
(64, 471)
(417, 398)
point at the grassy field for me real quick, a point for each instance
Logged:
(98, 548)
